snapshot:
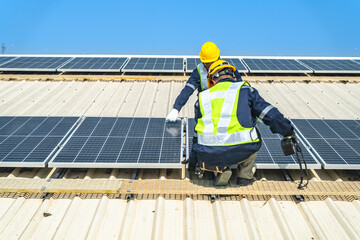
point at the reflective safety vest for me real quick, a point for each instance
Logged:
(203, 72)
(219, 125)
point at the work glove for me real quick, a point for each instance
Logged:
(173, 115)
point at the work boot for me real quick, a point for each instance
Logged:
(244, 181)
(222, 179)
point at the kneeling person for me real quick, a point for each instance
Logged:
(226, 115)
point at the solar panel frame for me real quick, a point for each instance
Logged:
(268, 65)
(145, 165)
(45, 140)
(344, 66)
(35, 64)
(4, 60)
(329, 149)
(153, 65)
(87, 64)
(191, 64)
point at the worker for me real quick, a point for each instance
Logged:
(198, 79)
(226, 115)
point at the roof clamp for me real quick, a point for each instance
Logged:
(214, 197)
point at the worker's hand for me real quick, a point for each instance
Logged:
(173, 115)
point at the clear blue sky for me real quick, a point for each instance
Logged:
(240, 27)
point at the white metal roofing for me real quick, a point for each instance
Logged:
(153, 217)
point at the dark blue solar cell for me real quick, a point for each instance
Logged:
(111, 150)
(151, 149)
(71, 149)
(90, 150)
(42, 150)
(104, 127)
(139, 127)
(13, 126)
(30, 126)
(5, 120)
(170, 150)
(87, 126)
(326, 151)
(63, 126)
(22, 149)
(46, 126)
(322, 128)
(131, 150)
(122, 127)
(8, 144)
(306, 128)
(353, 126)
(156, 128)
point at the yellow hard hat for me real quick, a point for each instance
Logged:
(217, 66)
(209, 52)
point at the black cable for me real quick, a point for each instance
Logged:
(297, 151)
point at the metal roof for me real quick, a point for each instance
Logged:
(93, 216)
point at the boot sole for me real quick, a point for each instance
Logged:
(224, 179)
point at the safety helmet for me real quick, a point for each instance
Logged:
(209, 52)
(219, 68)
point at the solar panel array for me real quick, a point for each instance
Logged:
(123, 142)
(138, 64)
(92, 64)
(275, 66)
(5, 59)
(332, 66)
(48, 64)
(191, 64)
(336, 142)
(270, 155)
(29, 141)
(174, 64)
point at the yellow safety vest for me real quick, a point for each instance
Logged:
(203, 72)
(219, 125)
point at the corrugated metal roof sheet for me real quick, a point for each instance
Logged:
(170, 217)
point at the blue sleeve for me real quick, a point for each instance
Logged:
(238, 76)
(191, 85)
(269, 114)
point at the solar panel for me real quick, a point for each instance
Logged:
(275, 66)
(48, 64)
(271, 156)
(332, 66)
(335, 142)
(4, 60)
(138, 64)
(94, 64)
(190, 132)
(191, 64)
(30, 141)
(123, 143)
(237, 64)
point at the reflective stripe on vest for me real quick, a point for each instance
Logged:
(203, 73)
(224, 133)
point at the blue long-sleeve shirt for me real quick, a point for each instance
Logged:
(250, 107)
(191, 85)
